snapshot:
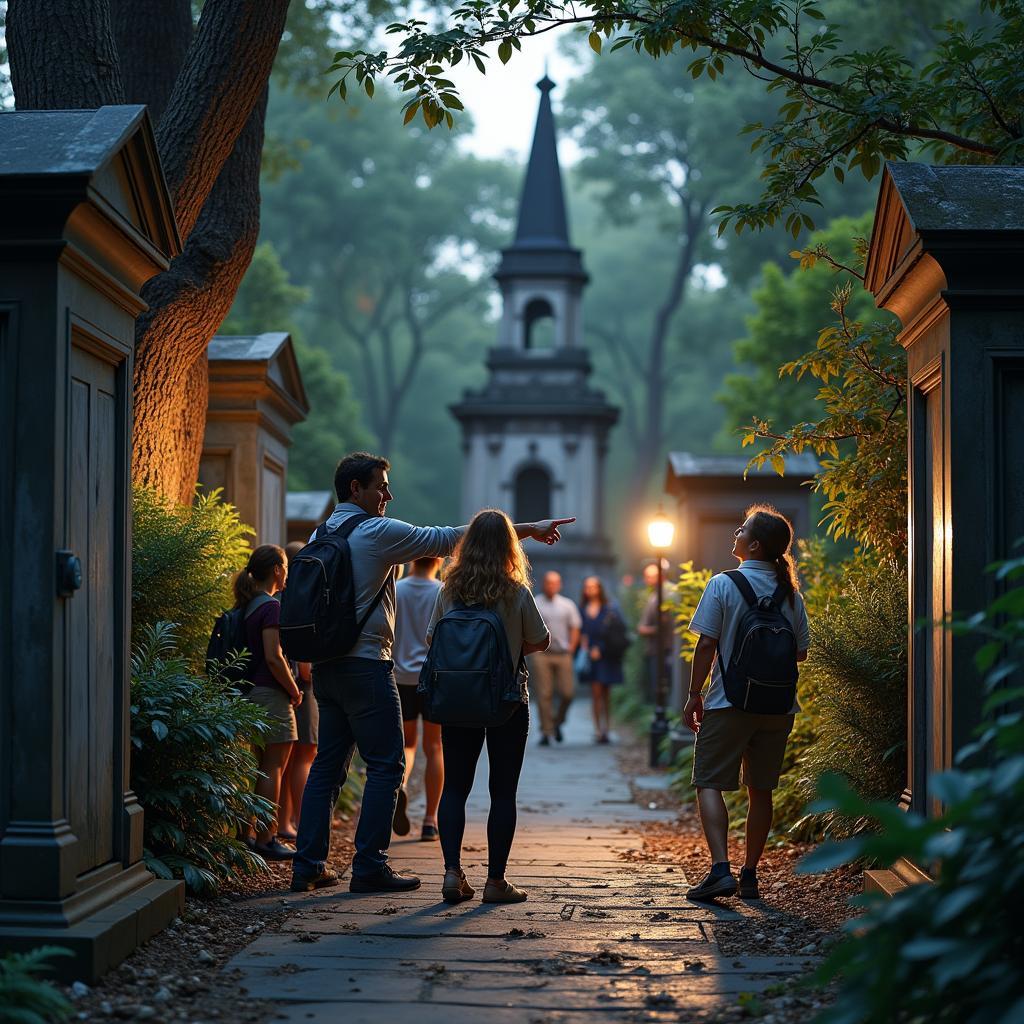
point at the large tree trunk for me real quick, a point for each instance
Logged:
(186, 306)
(153, 37)
(210, 135)
(62, 55)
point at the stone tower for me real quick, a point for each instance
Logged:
(535, 436)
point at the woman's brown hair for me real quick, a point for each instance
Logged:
(489, 565)
(602, 594)
(775, 534)
(251, 580)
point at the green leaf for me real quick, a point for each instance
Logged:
(595, 42)
(505, 51)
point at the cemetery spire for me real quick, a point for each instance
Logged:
(542, 220)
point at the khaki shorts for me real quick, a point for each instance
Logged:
(729, 737)
(281, 713)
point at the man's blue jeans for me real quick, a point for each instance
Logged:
(359, 707)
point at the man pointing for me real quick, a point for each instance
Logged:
(358, 697)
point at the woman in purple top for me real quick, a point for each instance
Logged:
(273, 686)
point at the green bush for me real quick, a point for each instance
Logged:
(192, 766)
(183, 558)
(25, 998)
(860, 673)
(948, 952)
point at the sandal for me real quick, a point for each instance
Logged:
(503, 892)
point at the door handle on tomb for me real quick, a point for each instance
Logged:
(69, 573)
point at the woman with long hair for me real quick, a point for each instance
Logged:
(602, 665)
(728, 735)
(489, 568)
(273, 685)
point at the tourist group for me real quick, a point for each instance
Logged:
(353, 639)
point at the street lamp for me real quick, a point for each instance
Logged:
(660, 533)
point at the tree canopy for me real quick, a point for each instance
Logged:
(841, 109)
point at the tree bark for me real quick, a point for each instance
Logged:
(62, 55)
(186, 306)
(225, 71)
(153, 37)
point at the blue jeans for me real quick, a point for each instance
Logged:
(359, 707)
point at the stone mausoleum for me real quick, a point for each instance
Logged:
(535, 436)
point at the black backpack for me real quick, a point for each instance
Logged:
(228, 652)
(469, 677)
(762, 671)
(616, 639)
(318, 610)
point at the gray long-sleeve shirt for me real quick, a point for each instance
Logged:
(378, 545)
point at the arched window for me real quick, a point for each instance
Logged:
(539, 321)
(533, 494)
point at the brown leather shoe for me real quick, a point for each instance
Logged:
(455, 888)
(502, 892)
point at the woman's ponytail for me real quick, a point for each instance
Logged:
(252, 579)
(775, 534)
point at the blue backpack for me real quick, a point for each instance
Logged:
(762, 672)
(469, 678)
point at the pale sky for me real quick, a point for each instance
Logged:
(504, 101)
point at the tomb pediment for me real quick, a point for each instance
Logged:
(105, 158)
(259, 366)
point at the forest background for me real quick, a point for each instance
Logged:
(377, 242)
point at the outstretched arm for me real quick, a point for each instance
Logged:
(545, 530)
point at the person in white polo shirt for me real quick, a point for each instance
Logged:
(728, 736)
(551, 671)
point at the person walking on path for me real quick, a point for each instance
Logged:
(307, 725)
(552, 671)
(358, 696)
(647, 627)
(602, 636)
(415, 596)
(273, 686)
(742, 615)
(489, 569)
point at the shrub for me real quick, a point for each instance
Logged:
(192, 766)
(858, 662)
(25, 997)
(183, 558)
(947, 952)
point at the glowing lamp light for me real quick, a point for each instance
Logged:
(661, 531)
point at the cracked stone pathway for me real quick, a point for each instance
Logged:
(600, 939)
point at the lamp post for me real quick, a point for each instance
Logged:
(660, 533)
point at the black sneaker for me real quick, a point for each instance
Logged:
(401, 823)
(748, 884)
(273, 850)
(385, 880)
(713, 887)
(307, 883)
(558, 734)
(428, 834)
(544, 742)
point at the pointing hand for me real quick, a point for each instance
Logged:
(547, 529)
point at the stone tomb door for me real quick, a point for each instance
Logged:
(94, 454)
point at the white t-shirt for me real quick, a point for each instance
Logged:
(718, 615)
(414, 603)
(561, 616)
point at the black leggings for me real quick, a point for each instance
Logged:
(506, 746)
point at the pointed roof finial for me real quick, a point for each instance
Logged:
(542, 219)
